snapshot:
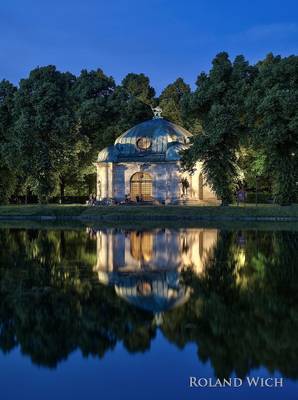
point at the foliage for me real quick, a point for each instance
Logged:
(92, 91)
(218, 103)
(46, 132)
(273, 116)
(170, 100)
(255, 169)
(138, 86)
(7, 174)
(243, 119)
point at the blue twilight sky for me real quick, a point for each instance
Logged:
(161, 38)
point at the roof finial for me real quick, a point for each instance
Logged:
(157, 112)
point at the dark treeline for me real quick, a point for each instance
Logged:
(244, 119)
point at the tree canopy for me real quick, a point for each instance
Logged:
(8, 176)
(272, 109)
(243, 118)
(218, 103)
(170, 100)
(138, 85)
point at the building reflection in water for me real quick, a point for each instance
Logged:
(145, 266)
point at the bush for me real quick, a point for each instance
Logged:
(70, 199)
(263, 197)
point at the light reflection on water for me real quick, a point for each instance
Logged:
(205, 301)
(145, 266)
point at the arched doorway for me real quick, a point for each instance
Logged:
(141, 246)
(141, 186)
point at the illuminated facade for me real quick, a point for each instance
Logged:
(145, 266)
(144, 164)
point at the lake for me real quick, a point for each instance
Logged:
(114, 313)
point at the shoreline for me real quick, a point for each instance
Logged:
(141, 214)
(141, 218)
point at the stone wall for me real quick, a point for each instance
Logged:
(113, 180)
(196, 180)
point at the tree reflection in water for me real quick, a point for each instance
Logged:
(232, 293)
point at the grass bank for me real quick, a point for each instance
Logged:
(149, 213)
(77, 224)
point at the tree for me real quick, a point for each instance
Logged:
(8, 177)
(91, 91)
(46, 130)
(170, 100)
(138, 85)
(105, 111)
(273, 120)
(127, 110)
(255, 170)
(218, 106)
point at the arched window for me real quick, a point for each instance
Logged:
(201, 194)
(141, 186)
(144, 143)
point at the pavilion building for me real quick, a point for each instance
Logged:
(144, 164)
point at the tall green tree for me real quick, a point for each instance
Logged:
(170, 100)
(8, 178)
(92, 91)
(138, 85)
(273, 119)
(218, 106)
(128, 110)
(46, 130)
(104, 111)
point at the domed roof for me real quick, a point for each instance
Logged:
(108, 154)
(152, 291)
(160, 133)
(153, 129)
(148, 141)
(156, 303)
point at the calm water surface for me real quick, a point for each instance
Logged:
(132, 314)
